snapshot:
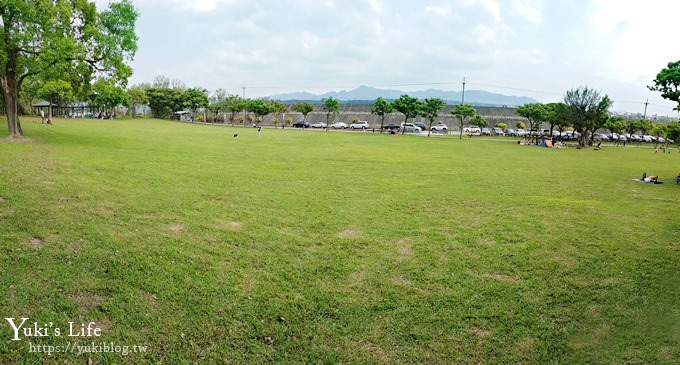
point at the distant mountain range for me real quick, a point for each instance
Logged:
(369, 94)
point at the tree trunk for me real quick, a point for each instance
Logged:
(49, 109)
(10, 95)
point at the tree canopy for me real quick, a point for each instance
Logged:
(463, 111)
(41, 37)
(667, 82)
(330, 106)
(430, 110)
(535, 114)
(408, 106)
(304, 108)
(588, 110)
(259, 107)
(108, 95)
(381, 108)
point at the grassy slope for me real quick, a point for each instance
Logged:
(344, 247)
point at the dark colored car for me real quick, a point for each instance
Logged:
(301, 124)
(391, 127)
(422, 126)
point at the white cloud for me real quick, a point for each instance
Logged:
(528, 9)
(438, 10)
(485, 34)
(201, 5)
(494, 8)
(636, 37)
(375, 5)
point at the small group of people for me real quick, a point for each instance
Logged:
(44, 120)
(664, 149)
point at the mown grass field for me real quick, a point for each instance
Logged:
(306, 247)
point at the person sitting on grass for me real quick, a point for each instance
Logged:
(677, 178)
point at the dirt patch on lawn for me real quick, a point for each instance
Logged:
(87, 300)
(375, 352)
(21, 140)
(2, 198)
(177, 228)
(479, 332)
(502, 277)
(404, 249)
(235, 226)
(348, 233)
(35, 242)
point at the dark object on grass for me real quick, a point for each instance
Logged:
(235, 135)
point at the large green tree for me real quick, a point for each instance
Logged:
(196, 98)
(39, 36)
(278, 107)
(408, 106)
(137, 96)
(58, 91)
(330, 106)
(259, 107)
(588, 111)
(536, 113)
(234, 104)
(463, 111)
(430, 110)
(108, 95)
(674, 131)
(381, 108)
(667, 82)
(304, 108)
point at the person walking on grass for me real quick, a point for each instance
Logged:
(42, 116)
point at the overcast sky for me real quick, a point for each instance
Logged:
(536, 48)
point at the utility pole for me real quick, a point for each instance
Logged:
(463, 99)
(244, 106)
(645, 115)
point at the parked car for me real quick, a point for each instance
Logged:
(486, 131)
(510, 132)
(439, 128)
(362, 124)
(411, 127)
(319, 125)
(301, 124)
(420, 125)
(475, 131)
(521, 133)
(391, 127)
(497, 131)
(338, 125)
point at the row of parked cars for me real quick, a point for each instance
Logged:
(625, 137)
(418, 127)
(363, 125)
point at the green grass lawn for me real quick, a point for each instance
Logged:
(307, 246)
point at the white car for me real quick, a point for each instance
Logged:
(338, 125)
(521, 133)
(439, 128)
(410, 127)
(362, 124)
(475, 131)
(318, 125)
(497, 131)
